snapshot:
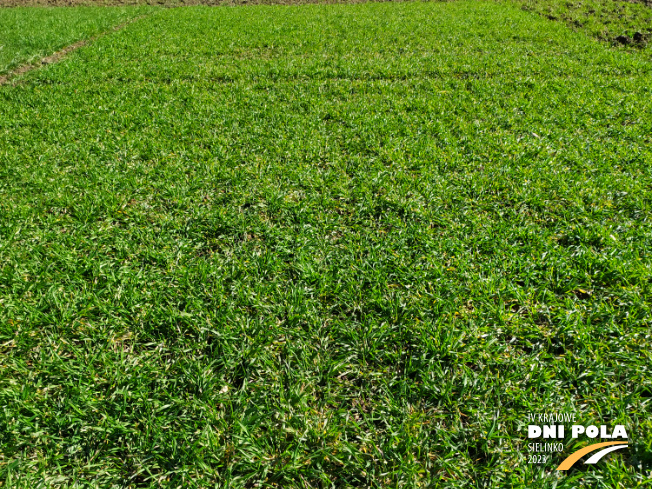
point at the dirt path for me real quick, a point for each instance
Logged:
(57, 56)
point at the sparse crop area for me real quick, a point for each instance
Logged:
(619, 22)
(324, 246)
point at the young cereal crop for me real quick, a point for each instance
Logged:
(324, 246)
(28, 34)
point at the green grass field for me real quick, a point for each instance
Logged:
(325, 246)
(27, 34)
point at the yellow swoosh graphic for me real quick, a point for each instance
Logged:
(574, 457)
